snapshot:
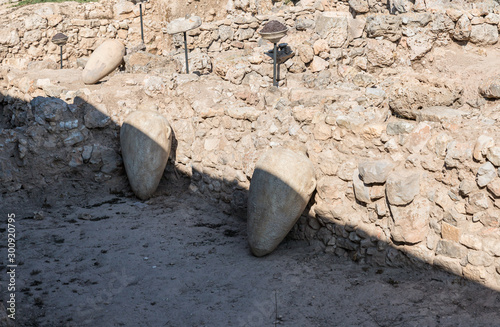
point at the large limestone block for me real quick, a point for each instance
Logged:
(409, 94)
(145, 138)
(387, 26)
(402, 186)
(380, 53)
(103, 61)
(375, 171)
(281, 187)
(410, 224)
(484, 34)
(333, 26)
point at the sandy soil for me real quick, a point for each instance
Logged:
(90, 258)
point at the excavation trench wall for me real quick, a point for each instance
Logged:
(406, 159)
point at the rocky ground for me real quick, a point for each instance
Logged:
(90, 258)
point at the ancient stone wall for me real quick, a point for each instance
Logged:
(406, 150)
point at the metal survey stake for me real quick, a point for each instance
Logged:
(142, 28)
(186, 52)
(275, 82)
(60, 39)
(274, 31)
(183, 25)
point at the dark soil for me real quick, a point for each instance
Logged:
(273, 26)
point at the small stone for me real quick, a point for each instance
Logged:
(490, 88)
(478, 201)
(399, 127)
(450, 249)
(481, 147)
(183, 24)
(48, 109)
(74, 138)
(462, 29)
(493, 155)
(491, 246)
(471, 241)
(450, 232)
(248, 113)
(333, 26)
(87, 153)
(380, 53)
(448, 264)
(402, 186)
(457, 153)
(303, 24)
(96, 117)
(375, 171)
(322, 132)
(361, 191)
(485, 174)
(440, 114)
(318, 64)
(418, 138)
(329, 188)
(226, 33)
(494, 187)
(360, 6)
(306, 53)
(320, 46)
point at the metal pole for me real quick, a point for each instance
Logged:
(142, 29)
(186, 52)
(275, 83)
(61, 55)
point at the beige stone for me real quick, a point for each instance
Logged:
(281, 186)
(481, 147)
(145, 139)
(320, 46)
(410, 224)
(402, 186)
(450, 232)
(103, 61)
(448, 264)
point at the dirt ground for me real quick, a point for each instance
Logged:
(91, 258)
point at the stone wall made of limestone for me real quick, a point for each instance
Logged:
(389, 190)
(373, 32)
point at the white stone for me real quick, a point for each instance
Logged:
(361, 191)
(402, 186)
(318, 64)
(485, 174)
(375, 171)
(493, 155)
(410, 224)
(484, 34)
(481, 147)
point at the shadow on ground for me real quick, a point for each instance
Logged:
(91, 254)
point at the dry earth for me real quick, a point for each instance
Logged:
(91, 258)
